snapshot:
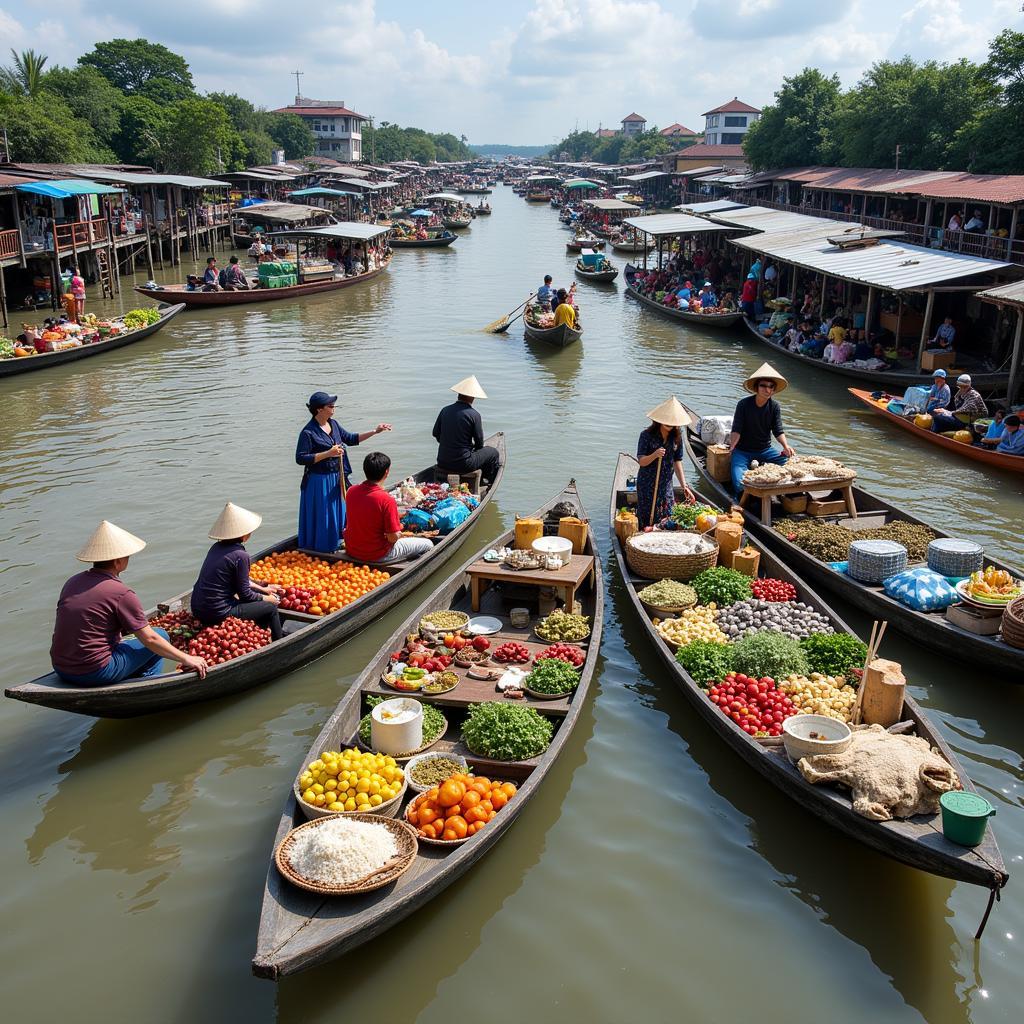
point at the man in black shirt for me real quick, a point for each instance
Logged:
(756, 419)
(459, 432)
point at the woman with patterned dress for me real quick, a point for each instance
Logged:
(659, 451)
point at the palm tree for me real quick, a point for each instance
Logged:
(25, 76)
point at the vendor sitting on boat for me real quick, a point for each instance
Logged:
(95, 608)
(939, 395)
(995, 430)
(944, 337)
(232, 278)
(545, 293)
(967, 406)
(373, 529)
(459, 433)
(565, 311)
(1013, 437)
(223, 587)
(754, 422)
(659, 451)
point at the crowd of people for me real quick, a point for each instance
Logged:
(101, 634)
(698, 280)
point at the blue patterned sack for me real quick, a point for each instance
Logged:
(921, 589)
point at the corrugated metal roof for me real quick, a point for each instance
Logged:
(696, 172)
(723, 179)
(260, 176)
(359, 183)
(134, 178)
(711, 206)
(1012, 294)
(610, 204)
(9, 180)
(447, 196)
(894, 266)
(674, 224)
(281, 211)
(764, 218)
(346, 229)
(645, 176)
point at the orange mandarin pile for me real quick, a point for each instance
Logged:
(459, 807)
(334, 584)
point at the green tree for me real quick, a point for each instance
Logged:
(43, 130)
(258, 147)
(291, 134)
(90, 97)
(142, 125)
(132, 64)
(609, 150)
(199, 138)
(644, 146)
(577, 145)
(798, 129)
(24, 77)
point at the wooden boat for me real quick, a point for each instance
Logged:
(299, 930)
(560, 335)
(555, 201)
(537, 197)
(25, 364)
(930, 628)
(685, 315)
(630, 246)
(458, 222)
(306, 638)
(917, 841)
(581, 242)
(483, 210)
(434, 240)
(903, 379)
(474, 190)
(605, 275)
(179, 292)
(1011, 463)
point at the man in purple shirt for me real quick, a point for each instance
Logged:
(94, 610)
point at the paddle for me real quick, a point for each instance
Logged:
(503, 323)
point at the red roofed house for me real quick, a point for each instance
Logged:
(337, 130)
(678, 133)
(633, 124)
(726, 125)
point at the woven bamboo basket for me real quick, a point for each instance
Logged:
(405, 838)
(388, 809)
(662, 567)
(1013, 623)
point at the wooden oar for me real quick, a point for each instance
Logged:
(502, 324)
(654, 501)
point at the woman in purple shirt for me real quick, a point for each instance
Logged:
(224, 587)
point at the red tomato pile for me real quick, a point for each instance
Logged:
(181, 627)
(512, 652)
(231, 639)
(755, 705)
(569, 653)
(768, 589)
(298, 599)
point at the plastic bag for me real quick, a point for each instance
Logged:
(451, 517)
(417, 520)
(715, 429)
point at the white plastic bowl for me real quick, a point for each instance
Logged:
(796, 735)
(560, 546)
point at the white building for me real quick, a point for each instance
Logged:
(337, 130)
(726, 125)
(633, 124)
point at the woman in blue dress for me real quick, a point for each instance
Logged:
(321, 452)
(659, 451)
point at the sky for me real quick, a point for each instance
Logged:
(522, 73)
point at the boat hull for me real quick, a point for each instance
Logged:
(561, 335)
(421, 243)
(716, 320)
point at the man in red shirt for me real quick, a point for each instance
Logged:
(95, 608)
(373, 531)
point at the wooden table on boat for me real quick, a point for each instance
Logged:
(567, 580)
(768, 491)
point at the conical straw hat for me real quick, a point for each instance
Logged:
(671, 413)
(109, 542)
(469, 386)
(766, 372)
(234, 522)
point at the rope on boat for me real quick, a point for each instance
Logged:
(994, 895)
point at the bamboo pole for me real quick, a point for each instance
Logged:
(924, 327)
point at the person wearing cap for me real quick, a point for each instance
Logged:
(708, 298)
(373, 528)
(459, 432)
(326, 472)
(95, 609)
(967, 406)
(1012, 442)
(939, 395)
(659, 451)
(755, 421)
(223, 587)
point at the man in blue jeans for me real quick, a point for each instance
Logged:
(95, 608)
(755, 421)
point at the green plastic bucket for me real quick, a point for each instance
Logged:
(964, 817)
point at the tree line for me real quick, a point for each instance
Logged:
(134, 102)
(613, 149)
(943, 116)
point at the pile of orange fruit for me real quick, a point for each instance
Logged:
(334, 584)
(459, 807)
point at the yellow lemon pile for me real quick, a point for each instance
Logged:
(352, 780)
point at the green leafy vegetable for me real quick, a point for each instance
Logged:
(553, 676)
(705, 662)
(722, 586)
(506, 732)
(834, 654)
(769, 654)
(686, 515)
(141, 317)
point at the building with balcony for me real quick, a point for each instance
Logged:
(336, 129)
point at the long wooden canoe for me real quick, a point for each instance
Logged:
(306, 638)
(917, 841)
(299, 930)
(704, 319)
(884, 378)
(436, 241)
(560, 335)
(931, 628)
(180, 293)
(579, 243)
(599, 276)
(1011, 463)
(10, 367)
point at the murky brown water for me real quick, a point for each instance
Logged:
(653, 878)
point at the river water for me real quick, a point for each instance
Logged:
(653, 877)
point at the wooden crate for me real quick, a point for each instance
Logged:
(794, 503)
(827, 507)
(720, 463)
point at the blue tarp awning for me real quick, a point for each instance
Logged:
(66, 188)
(320, 190)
